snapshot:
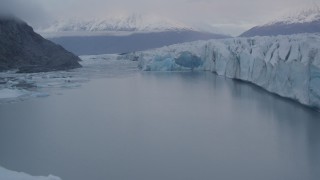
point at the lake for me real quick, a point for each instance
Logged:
(132, 125)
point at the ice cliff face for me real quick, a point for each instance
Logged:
(286, 65)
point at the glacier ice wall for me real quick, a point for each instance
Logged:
(286, 65)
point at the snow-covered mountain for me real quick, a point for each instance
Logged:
(304, 16)
(304, 21)
(124, 34)
(132, 23)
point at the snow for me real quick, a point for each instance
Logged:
(286, 65)
(306, 15)
(131, 23)
(12, 175)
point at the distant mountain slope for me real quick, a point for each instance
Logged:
(306, 21)
(108, 44)
(123, 34)
(21, 48)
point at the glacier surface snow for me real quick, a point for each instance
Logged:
(285, 65)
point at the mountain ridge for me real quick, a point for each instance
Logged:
(303, 16)
(132, 23)
(304, 21)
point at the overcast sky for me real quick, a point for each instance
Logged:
(231, 16)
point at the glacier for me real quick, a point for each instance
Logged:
(12, 175)
(288, 66)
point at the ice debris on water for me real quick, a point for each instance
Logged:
(11, 93)
(15, 86)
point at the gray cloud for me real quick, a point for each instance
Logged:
(30, 11)
(230, 15)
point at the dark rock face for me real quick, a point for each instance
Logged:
(283, 29)
(21, 48)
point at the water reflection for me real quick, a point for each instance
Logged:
(297, 126)
(162, 126)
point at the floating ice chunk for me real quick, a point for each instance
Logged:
(71, 85)
(12, 175)
(40, 94)
(11, 93)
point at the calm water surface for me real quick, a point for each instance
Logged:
(162, 126)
